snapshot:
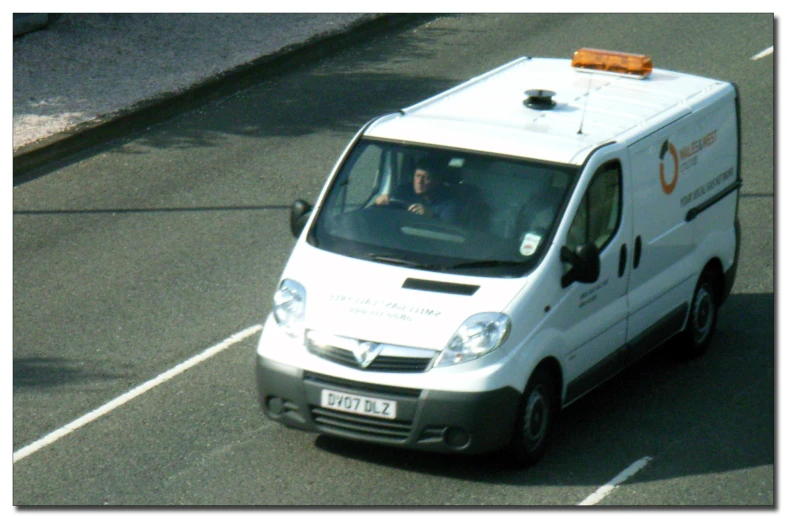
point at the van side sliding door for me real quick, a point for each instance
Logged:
(663, 275)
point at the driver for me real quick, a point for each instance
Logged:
(426, 196)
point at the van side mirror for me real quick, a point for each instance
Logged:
(585, 264)
(299, 215)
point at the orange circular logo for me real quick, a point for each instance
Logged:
(668, 187)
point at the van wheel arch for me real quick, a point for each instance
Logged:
(715, 271)
(552, 366)
(536, 416)
(703, 314)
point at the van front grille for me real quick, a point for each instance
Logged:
(346, 423)
(391, 357)
(381, 363)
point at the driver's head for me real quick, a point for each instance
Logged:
(425, 178)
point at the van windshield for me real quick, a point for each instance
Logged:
(446, 210)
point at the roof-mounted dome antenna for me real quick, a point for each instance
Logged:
(540, 99)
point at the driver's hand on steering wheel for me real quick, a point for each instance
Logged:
(382, 199)
(419, 209)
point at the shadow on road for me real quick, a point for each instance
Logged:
(45, 372)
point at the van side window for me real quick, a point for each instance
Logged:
(598, 216)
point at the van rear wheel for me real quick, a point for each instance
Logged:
(703, 315)
(535, 420)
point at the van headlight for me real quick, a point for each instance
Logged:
(478, 335)
(289, 307)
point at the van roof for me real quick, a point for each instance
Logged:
(488, 113)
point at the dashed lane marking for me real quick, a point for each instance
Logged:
(610, 487)
(766, 52)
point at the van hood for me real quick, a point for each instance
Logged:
(390, 304)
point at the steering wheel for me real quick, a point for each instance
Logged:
(393, 203)
(398, 203)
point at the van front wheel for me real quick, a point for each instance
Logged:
(703, 315)
(534, 422)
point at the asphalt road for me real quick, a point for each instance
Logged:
(141, 254)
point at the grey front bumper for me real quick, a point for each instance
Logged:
(429, 420)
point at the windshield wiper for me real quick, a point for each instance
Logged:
(393, 260)
(481, 264)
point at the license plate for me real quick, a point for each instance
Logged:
(357, 404)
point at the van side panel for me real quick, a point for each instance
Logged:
(713, 207)
(661, 275)
(676, 171)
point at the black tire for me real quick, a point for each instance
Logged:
(703, 315)
(536, 417)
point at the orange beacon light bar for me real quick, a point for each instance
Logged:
(623, 63)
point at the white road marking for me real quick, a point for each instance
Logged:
(607, 489)
(766, 52)
(126, 397)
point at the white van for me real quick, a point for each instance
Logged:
(482, 259)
